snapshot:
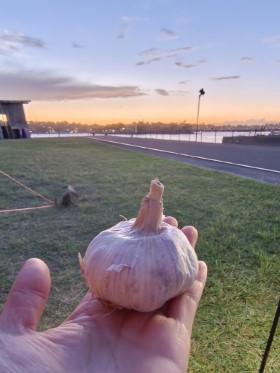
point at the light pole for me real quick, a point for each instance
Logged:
(201, 92)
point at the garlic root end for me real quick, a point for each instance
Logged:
(156, 190)
(150, 214)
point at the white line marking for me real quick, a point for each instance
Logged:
(191, 156)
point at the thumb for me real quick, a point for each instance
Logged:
(183, 308)
(27, 298)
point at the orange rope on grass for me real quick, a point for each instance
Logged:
(28, 208)
(30, 190)
(26, 187)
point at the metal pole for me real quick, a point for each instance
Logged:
(201, 92)
(198, 107)
(270, 339)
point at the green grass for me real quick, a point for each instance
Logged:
(238, 221)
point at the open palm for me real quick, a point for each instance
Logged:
(95, 338)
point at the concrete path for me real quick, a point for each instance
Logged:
(258, 162)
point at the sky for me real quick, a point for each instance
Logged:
(112, 61)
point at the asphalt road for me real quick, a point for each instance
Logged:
(254, 161)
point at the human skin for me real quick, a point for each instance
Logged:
(95, 338)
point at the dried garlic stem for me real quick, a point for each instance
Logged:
(150, 214)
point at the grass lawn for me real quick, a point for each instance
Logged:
(238, 221)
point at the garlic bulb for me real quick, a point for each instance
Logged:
(140, 263)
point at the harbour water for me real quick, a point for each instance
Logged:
(201, 136)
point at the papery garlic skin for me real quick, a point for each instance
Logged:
(138, 270)
(141, 263)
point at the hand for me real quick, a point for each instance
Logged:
(95, 338)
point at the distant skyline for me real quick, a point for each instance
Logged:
(142, 60)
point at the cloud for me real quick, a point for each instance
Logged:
(49, 86)
(180, 93)
(149, 51)
(185, 66)
(156, 54)
(183, 81)
(168, 34)
(126, 24)
(226, 77)
(125, 27)
(76, 45)
(18, 38)
(14, 43)
(247, 122)
(182, 49)
(123, 32)
(246, 58)
(274, 40)
(162, 92)
(147, 62)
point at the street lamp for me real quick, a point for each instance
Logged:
(201, 92)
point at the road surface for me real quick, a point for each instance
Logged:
(253, 161)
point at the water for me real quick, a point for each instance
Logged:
(203, 136)
(58, 134)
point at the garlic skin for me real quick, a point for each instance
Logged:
(141, 263)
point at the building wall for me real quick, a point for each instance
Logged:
(16, 125)
(15, 115)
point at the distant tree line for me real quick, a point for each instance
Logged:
(140, 127)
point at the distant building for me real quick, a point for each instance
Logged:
(12, 119)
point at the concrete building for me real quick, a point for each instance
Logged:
(12, 119)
